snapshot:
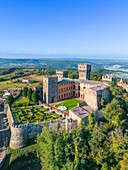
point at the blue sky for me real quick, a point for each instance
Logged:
(88, 27)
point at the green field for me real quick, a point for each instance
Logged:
(22, 100)
(69, 104)
(11, 84)
(33, 114)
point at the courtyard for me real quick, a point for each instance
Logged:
(69, 104)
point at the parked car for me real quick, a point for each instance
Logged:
(5, 124)
(5, 120)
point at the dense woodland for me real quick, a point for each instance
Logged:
(100, 145)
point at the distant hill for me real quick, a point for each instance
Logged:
(120, 68)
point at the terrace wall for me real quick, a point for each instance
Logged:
(58, 111)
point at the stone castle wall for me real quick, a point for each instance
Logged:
(20, 134)
(91, 98)
(7, 110)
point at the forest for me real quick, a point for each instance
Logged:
(100, 145)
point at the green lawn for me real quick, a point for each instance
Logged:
(22, 100)
(69, 104)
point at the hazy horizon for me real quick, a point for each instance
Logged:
(53, 56)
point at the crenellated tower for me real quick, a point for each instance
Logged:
(84, 70)
(50, 89)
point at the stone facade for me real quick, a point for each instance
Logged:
(50, 89)
(80, 113)
(108, 78)
(92, 96)
(84, 71)
(65, 90)
(61, 74)
(54, 90)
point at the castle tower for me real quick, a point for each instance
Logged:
(109, 78)
(19, 136)
(62, 74)
(50, 89)
(84, 70)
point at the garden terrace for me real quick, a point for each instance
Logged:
(33, 114)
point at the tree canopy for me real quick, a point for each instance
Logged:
(99, 145)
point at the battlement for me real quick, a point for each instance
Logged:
(84, 66)
(108, 78)
(84, 70)
(62, 74)
(50, 79)
(20, 126)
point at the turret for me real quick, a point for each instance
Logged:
(84, 71)
(50, 89)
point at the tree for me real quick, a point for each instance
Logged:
(10, 100)
(35, 97)
(102, 102)
(114, 113)
(72, 75)
(29, 94)
(25, 90)
(100, 145)
(91, 121)
(63, 150)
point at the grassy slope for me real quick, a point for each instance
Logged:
(22, 100)
(10, 84)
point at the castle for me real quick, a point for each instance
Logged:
(60, 87)
(57, 88)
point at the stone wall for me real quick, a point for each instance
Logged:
(91, 98)
(21, 133)
(19, 136)
(7, 110)
(106, 94)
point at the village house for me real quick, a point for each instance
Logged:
(123, 85)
